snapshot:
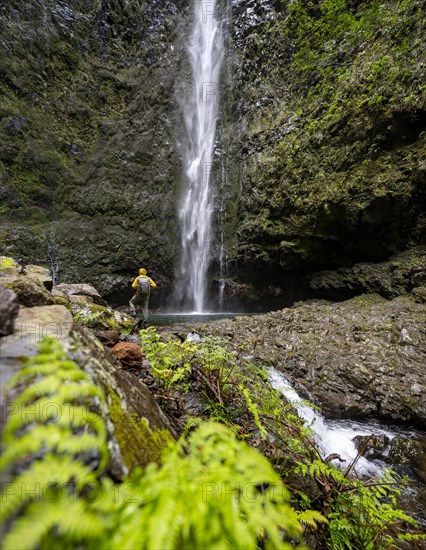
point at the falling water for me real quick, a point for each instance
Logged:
(200, 114)
(332, 436)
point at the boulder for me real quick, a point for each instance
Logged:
(99, 317)
(80, 300)
(83, 289)
(419, 294)
(9, 308)
(30, 292)
(138, 430)
(373, 446)
(40, 274)
(128, 354)
(31, 326)
(9, 267)
(362, 358)
(408, 451)
(60, 294)
(107, 337)
(141, 430)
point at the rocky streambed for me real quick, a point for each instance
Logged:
(360, 359)
(364, 359)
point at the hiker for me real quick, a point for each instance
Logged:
(142, 284)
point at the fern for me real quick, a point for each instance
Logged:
(71, 520)
(311, 518)
(212, 491)
(253, 410)
(361, 515)
(34, 483)
(51, 429)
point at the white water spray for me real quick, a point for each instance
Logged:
(332, 436)
(200, 114)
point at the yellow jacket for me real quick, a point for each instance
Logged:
(142, 273)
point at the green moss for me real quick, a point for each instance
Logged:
(139, 444)
(70, 99)
(332, 162)
(107, 316)
(7, 263)
(63, 302)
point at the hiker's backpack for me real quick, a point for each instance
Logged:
(143, 286)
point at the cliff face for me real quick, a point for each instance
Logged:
(320, 146)
(89, 164)
(325, 120)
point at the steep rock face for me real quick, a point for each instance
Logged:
(402, 273)
(320, 144)
(89, 169)
(323, 128)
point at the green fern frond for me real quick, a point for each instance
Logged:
(50, 364)
(42, 475)
(51, 428)
(40, 388)
(311, 518)
(30, 529)
(71, 519)
(212, 491)
(52, 410)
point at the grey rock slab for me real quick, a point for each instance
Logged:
(82, 289)
(364, 358)
(40, 274)
(9, 309)
(31, 326)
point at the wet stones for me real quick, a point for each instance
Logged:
(363, 358)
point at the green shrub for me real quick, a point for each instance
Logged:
(210, 490)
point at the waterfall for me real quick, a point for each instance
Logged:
(222, 251)
(200, 113)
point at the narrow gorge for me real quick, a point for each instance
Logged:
(264, 162)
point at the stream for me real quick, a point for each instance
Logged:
(161, 319)
(336, 436)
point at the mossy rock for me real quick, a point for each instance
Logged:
(419, 294)
(99, 317)
(79, 290)
(406, 450)
(30, 292)
(139, 430)
(139, 443)
(9, 267)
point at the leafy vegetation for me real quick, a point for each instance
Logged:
(54, 449)
(210, 490)
(60, 500)
(359, 514)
